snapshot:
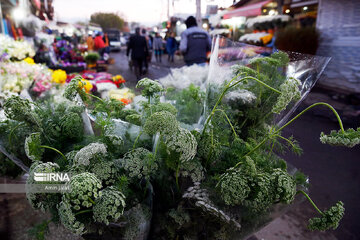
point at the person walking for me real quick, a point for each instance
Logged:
(99, 44)
(90, 42)
(149, 53)
(158, 46)
(106, 41)
(195, 43)
(171, 46)
(139, 50)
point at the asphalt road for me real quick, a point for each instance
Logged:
(156, 70)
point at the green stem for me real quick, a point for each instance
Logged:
(227, 87)
(12, 132)
(243, 123)
(177, 176)
(92, 201)
(287, 140)
(310, 107)
(272, 147)
(137, 139)
(264, 84)
(292, 120)
(211, 149)
(311, 201)
(156, 147)
(254, 149)
(219, 100)
(54, 149)
(83, 211)
(227, 118)
(96, 97)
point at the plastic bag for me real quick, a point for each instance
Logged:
(226, 53)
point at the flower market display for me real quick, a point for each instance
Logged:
(190, 160)
(14, 50)
(17, 76)
(19, 72)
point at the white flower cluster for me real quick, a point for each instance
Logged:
(193, 169)
(15, 49)
(252, 37)
(348, 138)
(176, 138)
(150, 87)
(84, 188)
(289, 92)
(285, 186)
(137, 217)
(89, 152)
(32, 147)
(16, 76)
(140, 163)
(114, 140)
(183, 142)
(201, 198)
(163, 122)
(242, 95)
(42, 201)
(181, 78)
(266, 18)
(109, 206)
(70, 156)
(68, 218)
(105, 171)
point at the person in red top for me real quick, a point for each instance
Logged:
(99, 44)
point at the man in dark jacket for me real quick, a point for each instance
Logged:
(195, 43)
(139, 50)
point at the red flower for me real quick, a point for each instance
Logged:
(125, 101)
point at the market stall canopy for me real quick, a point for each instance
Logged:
(216, 18)
(247, 11)
(267, 18)
(219, 31)
(253, 37)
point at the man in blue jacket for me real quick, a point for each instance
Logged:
(195, 43)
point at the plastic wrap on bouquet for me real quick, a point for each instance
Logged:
(186, 91)
(250, 93)
(135, 223)
(230, 222)
(226, 53)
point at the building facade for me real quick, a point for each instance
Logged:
(339, 25)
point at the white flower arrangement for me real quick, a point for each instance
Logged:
(18, 50)
(16, 76)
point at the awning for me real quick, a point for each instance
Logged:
(304, 3)
(247, 11)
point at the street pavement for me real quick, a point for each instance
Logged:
(156, 70)
(334, 172)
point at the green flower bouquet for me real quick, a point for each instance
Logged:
(149, 172)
